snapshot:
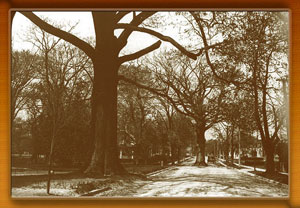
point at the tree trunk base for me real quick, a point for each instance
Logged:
(94, 173)
(119, 169)
(269, 172)
(97, 173)
(201, 164)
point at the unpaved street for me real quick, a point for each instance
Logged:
(212, 181)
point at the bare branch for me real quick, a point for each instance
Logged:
(158, 35)
(205, 42)
(137, 20)
(131, 136)
(120, 15)
(140, 53)
(159, 92)
(84, 46)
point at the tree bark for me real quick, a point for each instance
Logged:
(105, 157)
(270, 165)
(164, 149)
(104, 112)
(200, 159)
(173, 152)
(232, 145)
(226, 151)
(178, 154)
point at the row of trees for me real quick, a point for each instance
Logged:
(52, 90)
(149, 122)
(54, 87)
(143, 124)
(227, 76)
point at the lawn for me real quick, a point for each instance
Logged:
(74, 183)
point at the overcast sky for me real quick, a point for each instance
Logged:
(85, 28)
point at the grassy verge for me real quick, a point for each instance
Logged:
(281, 178)
(143, 169)
(276, 176)
(78, 184)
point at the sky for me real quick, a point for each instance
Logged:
(85, 29)
(21, 25)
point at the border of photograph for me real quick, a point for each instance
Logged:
(5, 199)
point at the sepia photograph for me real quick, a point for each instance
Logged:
(150, 104)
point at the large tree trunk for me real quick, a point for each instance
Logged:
(164, 150)
(232, 145)
(178, 154)
(270, 165)
(226, 151)
(104, 116)
(200, 156)
(173, 152)
(105, 157)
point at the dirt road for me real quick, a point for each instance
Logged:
(191, 181)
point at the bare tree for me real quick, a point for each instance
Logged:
(256, 54)
(135, 109)
(193, 91)
(106, 63)
(24, 65)
(60, 72)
